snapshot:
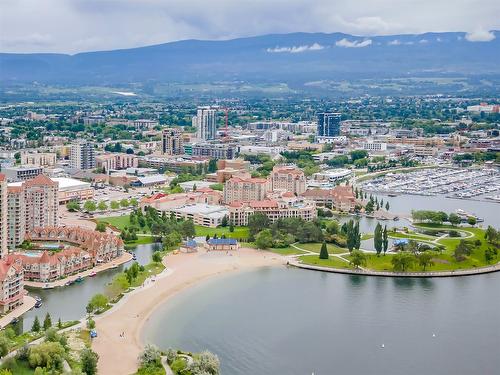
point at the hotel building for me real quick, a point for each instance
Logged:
(288, 178)
(238, 189)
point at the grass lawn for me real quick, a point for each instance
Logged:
(316, 247)
(119, 222)
(333, 262)
(155, 269)
(141, 240)
(411, 235)
(239, 232)
(367, 236)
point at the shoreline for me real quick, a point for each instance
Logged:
(117, 353)
(360, 272)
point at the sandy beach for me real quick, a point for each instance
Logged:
(118, 355)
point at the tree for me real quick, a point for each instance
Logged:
(171, 240)
(454, 219)
(358, 258)
(100, 226)
(207, 237)
(89, 206)
(462, 250)
(4, 346)
(369, 208)
(88, 359)
(491, 234)
(333, 227)
(224, 221)
(36, 325)
(490, 254)
(387, 206)
(102, 206)
(47, 354)
(124, 203)
(98, 302)
(257, 222)
(212, 166)
(157, 257)
(114, 205)
(205, 363)
(385, 240)
(402, 261)
(59, 323)
(47, 322)
(187, 228)
(471, 220)
(73, 206)
(264, 239)
(378, 239)
(323, 254)
(231, 227)
(425, 260)
(134, 202)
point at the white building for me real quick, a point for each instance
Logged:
(82, 155)
(374, 146)
(206, 120)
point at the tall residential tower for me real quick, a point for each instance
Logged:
(206, 120)
(3, 216)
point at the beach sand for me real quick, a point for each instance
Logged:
(117, 354)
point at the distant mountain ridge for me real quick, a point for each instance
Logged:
(296, 57)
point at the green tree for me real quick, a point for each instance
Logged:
(73, 206)
(102, 206)
(231, 227)
(358, 258)
(490, 254)
(385, 240)
(157, 257)
(425, 260)
(187, 229)
(47, 354)
(124, 203)
(323, 254)
(171, 240)
(134, 202)
(471, 220)
(47, 322)
(369, 208)
(59, 323)
(36, 325)
(264, 239)
(454, 219)
(114, 205)
(89, 206)
(88, 360)
(100, 226)
(99, 302)
(378, 241)
(387, 206)
(402, 261)
(224, 221)
(257, 222)
(333, 227)
(4, 346)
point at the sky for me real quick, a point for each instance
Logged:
(71, 26)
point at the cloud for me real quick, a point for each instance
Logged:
(423, 41)
(354, 44)
(480, 36)
(294, 49)
(395, 42)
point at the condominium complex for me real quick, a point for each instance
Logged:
(288, 178)
(11, 285)
(82, 155)
(205, 122)
(116, 161)
(286, 206)
(21, 173)
(238, 189)
(41, 202)
(214, 150)
(42, 159)
(3, 215)
(329, 124)
(16, 217)
(172, 142)
(340, 197)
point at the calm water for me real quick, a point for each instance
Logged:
(290, 321)
(69, 303)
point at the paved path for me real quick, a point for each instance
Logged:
(168, 370)
(28, 304)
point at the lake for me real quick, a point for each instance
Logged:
(291, 321)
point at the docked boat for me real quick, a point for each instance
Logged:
(392, 195)
(92, 274)
(70, 282)
(134, 257)
(79, 279)
(38, 304)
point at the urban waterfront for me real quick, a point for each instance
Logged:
(289, 321)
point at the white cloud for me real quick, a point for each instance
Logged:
(298, 49)
(480, 36)
(354, 44)
(423, 41)
(395, 42)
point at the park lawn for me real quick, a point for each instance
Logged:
(141, 240)
(119, 222)
(366, 236)
(150, 269)
(411, 235)
(286, 251)
(333, 262)
(239, 232)
(316, 247)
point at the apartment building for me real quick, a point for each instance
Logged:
(288, 178)
(172, 143)
(3, 216)
(82, 155)
(41, 159)
(341, 197)
(214, 150)
(117, 161)
(245, 189)
(205, 122)
(21, 173)
(16, 217)
(11, 285)
(41, 202)
(287, 206)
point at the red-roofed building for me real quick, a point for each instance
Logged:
(288, 178)
(3, 216)
(41, 201)
(340, 197)
(11, 285)
(245, 189)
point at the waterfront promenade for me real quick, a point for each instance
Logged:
(365, 272)
(28, 304)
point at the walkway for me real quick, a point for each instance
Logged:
(124, 258)
(28, 304)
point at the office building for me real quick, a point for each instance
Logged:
(329, 124)
(206, 123)
(82, 155)
(172, 142)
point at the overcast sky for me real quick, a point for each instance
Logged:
(87, 25)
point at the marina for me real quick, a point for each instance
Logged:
(450, 182)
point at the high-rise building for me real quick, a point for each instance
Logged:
(16, 217)
(82, 155)
(172, 142)
(288, 178)
(329, 124)
(206, 120)
(238, 189)
(3, 216)
(41, 202)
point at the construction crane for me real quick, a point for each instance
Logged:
(226, 132)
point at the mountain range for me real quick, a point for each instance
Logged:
(297, 58)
